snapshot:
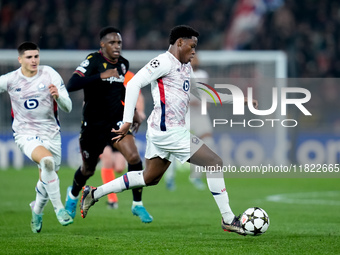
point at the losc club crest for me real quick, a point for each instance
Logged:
(123, 68)
(195, 140)
(41, 86)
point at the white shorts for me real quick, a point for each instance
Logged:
(27, 144)
(174, 143)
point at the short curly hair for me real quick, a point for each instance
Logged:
(107, 30)
(182, 31)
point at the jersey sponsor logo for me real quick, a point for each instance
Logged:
(31, 138)
(29, 97)
(154, 63)
(115, 79)
(31, 104)
(186, 85)
(81, 69)
(105, 65)
(41, 86)
(18, 90)
(85, 63)
(123, 68)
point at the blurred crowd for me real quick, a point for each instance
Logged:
(62, 24)
(308, 31)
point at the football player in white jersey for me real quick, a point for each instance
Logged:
(199, 125)
(167, 136)
(36, 92)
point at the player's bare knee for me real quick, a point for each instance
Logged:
(133, 158)
(106, 153)
(119, 169)
(87, 171)
(150, 180)
(47, 164)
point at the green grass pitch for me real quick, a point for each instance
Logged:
(304, 219)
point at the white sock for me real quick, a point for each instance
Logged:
(71, 195)
(135, 203)
(130, 180)
(51, 182)
(41, 198)
(217, 187)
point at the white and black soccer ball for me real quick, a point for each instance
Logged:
(255, 221)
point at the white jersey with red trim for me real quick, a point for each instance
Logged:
(170, 88)
(34, 110)
(171, 92)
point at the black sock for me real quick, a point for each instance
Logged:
(136, 193)
(79, 181)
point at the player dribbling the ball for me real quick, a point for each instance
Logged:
(167, 137)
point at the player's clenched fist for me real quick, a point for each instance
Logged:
(54, 91)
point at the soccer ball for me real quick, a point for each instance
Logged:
(255, 221)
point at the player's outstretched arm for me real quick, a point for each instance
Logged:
(3, 82)
(58, 91)
(199, 92)
(137, 121)
(63, 100)
(78, 82)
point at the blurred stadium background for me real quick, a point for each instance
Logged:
(298, 40)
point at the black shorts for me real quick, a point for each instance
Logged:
(93, 139)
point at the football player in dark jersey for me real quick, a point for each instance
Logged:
(101, 77)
